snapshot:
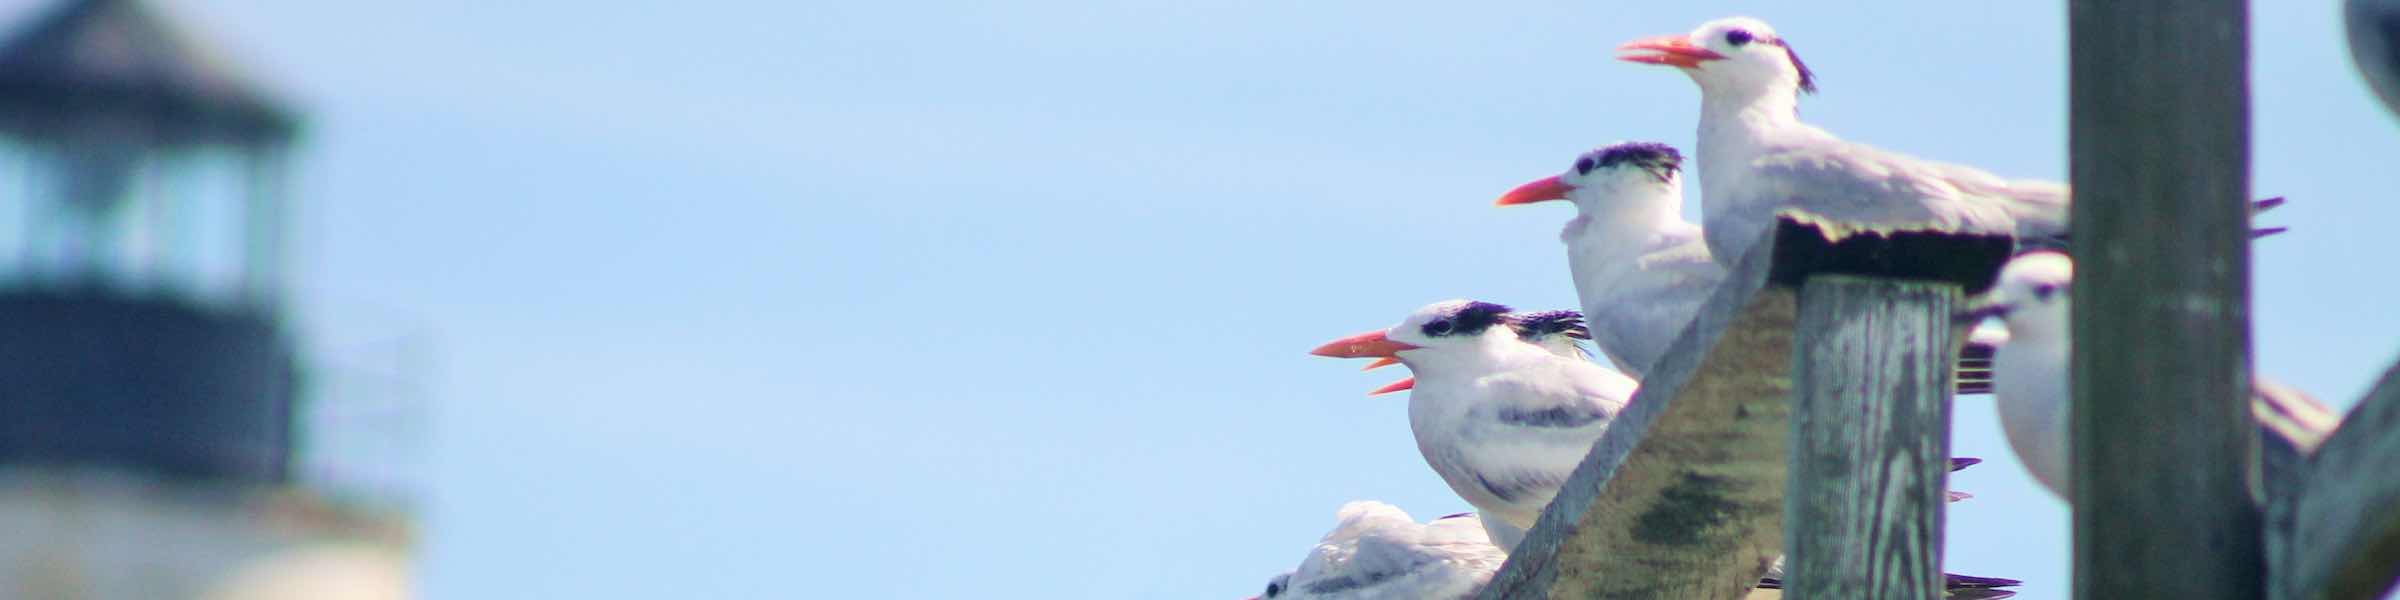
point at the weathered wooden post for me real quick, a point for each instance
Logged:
(1685, 496)
(1870, 438)
(2164, 446)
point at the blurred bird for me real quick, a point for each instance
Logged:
(1501, 420)
(1758, 159)
(2031, 376)
(2374, 28)
(1377, 551)
(1641, 270)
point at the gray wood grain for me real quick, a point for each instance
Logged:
(2165, 449)
(1683, 497)
(1870, 438)
(2343, 535)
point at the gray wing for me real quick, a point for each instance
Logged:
(1634, 322)
(1513, 451)
(1378, 551)
(1566, 395)
(1856, 183)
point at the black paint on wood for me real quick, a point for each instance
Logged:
(1971, 261)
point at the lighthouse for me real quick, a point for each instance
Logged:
(149, 382)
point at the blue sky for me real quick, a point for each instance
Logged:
(942, 299)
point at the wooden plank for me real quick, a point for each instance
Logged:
(1683, 496)
(2344, 539)
(1870, 438)
(1696, 511)
(2165, 451)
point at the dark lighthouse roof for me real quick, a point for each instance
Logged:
(117, 64)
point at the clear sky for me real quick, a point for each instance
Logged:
(949, 299)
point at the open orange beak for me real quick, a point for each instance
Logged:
(1541, 190)
(1395, 386)
(1670, 50)
(1371, 344)
(1381, 363)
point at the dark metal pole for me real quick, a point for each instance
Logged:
(2164, 444)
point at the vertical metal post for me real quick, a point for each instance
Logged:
(2164, 448)
(1870, 438)
(263, 228)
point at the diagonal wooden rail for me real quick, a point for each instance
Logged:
(2336, 532)
(1685, 497)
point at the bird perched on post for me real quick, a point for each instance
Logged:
(1757, 159)
(1641, 270)
(2032, 386)
(1377, 551)
(1501, 420)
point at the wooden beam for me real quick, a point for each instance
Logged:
(1870, 438)
(2165, 449)
(2344, 538)
(1683, 496)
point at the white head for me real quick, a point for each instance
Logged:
(2031, 297)
(1614, 182)
(1559, 332)
(1739, 57)
(1436, 328)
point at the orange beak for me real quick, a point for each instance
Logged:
(1395, 386)
(1365, 345)
(1381, 363)
(1670, 50)
(1541, 190)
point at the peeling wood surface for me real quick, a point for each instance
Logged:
(1694, 508)
(1870, 438)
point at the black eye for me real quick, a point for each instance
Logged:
(1737, 37)
(1441, 327)
(1583, 165)
(1274, 588)
(2044, 291)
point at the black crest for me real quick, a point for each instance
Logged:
(1808, 79)
(1549, 323)
(1661, 160)
(1470, 319)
